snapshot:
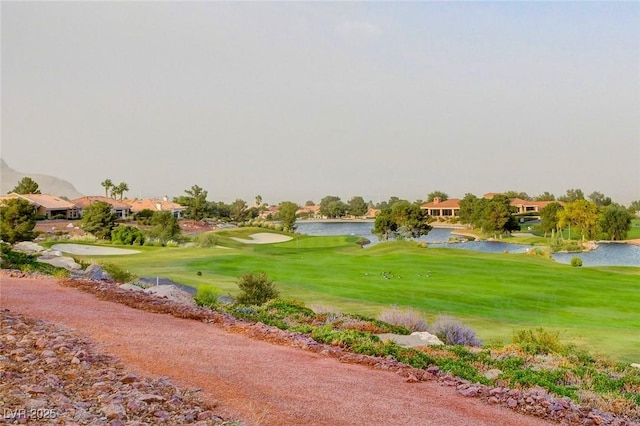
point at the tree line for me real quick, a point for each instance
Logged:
(594, 216)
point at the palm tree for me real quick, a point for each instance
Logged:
(107, 184)
(122, 188)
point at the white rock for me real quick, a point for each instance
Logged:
(635, 365)
(61, 262)
(28, 247)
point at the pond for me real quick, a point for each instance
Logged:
(613, 254)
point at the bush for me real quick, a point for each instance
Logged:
(452, 332)
(538, 341)
(206, 296)
(128, 235)
(409, 318)
(207, 239)
(117, 274)
(256, 289)
(576, 261)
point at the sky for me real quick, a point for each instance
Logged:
(300, 100)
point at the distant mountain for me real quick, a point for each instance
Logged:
(9, 178)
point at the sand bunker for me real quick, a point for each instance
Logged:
(82, 249)
(264, 238)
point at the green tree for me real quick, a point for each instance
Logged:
(17, 220)
(195, 202)
(332, 207)
(497, 216)
(549, 217)
(356, 206)
(98, 219)
(634, 207)
(258, 200)
(256, 289)
(165, 227)
(384, 226)
(615, 222)
(516, 194)
(572, 195)
(437, 194)
(583, 215)
(309, 203)
(403, 220)
(468, 205)
(599, 199)
(120, 189)
(238, 208)
(107, 184)
(26, 186)
(287, 215)
(545, 196)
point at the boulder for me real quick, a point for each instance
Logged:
(95, 272)
(28, 247)
(61, 262)
(416, 339)
(172, 292)
(129, 286)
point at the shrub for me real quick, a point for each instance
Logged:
(576, 261)
(206, 296)
(117, 274)
(538, 341)
(452, 332)
(409, 318)
(256, 289)
(207, 239)
(128, 235)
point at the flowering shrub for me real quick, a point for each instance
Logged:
(452, 332)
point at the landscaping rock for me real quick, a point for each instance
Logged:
(415, 339)
(28, 247)
(96, 273)
(173, 293)
(96, 391)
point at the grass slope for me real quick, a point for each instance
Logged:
(494, 293)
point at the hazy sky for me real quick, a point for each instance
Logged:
(295, 101)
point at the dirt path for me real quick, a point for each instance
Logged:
(252, 380)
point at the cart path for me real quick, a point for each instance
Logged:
(254, 381)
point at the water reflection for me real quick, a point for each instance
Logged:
(604, 255)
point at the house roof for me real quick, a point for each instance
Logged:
(309, 209)
(83, 202)
(451, 203)
(153, 204)
(49, 202)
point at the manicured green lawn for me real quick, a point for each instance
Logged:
(493, 293)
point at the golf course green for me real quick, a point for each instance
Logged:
(495, 294)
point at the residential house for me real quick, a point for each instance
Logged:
(120, 208)
(156, 205)
(527, 206)
(49, 206)
(438, 208)
(309, 212)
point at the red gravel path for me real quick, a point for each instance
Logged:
(251, 380)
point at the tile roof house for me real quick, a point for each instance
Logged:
(156, 205)
(446, 208)
(121, 209)
(311, 212)
(49, 206)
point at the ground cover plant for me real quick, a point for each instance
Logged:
(493, 293)
(534, 358)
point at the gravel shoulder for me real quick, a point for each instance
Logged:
(249, 379)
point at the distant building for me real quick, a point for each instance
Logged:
(156, 205)
(47, 205)
(446, 208)
(120, 208)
